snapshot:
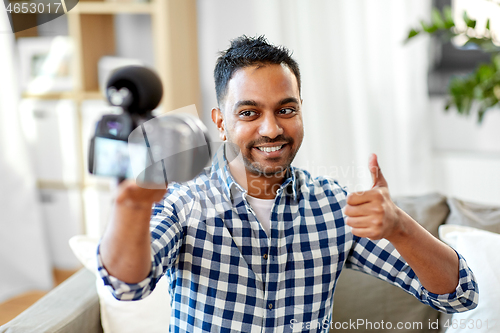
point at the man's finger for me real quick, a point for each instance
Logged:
(359, 198)
(359, 221)
(377, 176)
(366, 233)
(363, 209)
(129, 192)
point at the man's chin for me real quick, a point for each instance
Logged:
(260, 169)
(258, 165)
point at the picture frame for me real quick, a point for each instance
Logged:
(45, 64)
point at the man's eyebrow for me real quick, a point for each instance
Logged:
(245, 103)
(288, 100)
(250, 102)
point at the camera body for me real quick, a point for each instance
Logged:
(134, 144)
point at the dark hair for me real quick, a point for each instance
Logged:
(248, 51)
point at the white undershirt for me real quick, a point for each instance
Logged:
(262, 208)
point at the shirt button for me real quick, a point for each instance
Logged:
(270, 306)
(265, 256)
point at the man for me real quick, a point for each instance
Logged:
(256, 245)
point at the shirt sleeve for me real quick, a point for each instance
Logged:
(166, 225)
(380, 259)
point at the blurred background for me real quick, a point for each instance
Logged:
(364, 89)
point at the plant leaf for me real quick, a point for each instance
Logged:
(428, 28)
(412, 33)
(448, 17)
(496, 91)
(486, 44)
(469, 22)
(484, 72)
(495, 60)
(480, 115)
(437, 19)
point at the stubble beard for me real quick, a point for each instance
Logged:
(256, 168)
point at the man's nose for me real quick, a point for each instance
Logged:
(270, 127)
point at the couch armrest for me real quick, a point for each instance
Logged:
(71, 307)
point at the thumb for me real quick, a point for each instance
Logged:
(377, 176)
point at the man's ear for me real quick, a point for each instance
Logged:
(218, 119)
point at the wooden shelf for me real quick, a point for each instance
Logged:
(50, 95)
(102, 184)
(98, 183)
(91, 26)
(57, 185)
(92, 95)
(78, 96)
(99, 7)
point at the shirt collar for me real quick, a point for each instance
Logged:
(220, 172)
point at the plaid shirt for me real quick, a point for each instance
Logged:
(227, 275)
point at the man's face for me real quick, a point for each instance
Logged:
(262, 117)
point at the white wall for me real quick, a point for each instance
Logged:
(466, 155)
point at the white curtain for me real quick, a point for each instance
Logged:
(24, 260)
(363, 90)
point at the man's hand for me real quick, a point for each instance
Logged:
(126, 246)
(372, 213)
(133, 196)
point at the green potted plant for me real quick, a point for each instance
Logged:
(477, 91)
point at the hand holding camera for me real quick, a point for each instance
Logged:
(144, 153)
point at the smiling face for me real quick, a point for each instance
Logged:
(261, 116)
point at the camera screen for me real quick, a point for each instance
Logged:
(111, 158)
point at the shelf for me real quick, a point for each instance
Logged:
(92, 95)
(50, 95)
(91, 26)
(99, 183)
(57, 185)
(79, 96)
(102, 184)
(97, 7)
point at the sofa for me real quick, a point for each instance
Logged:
(362, 303)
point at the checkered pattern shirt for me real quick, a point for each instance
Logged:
(227, 275)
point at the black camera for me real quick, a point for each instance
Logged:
(134, 144)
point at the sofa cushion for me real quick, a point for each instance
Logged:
(480, 249)
(151, 314)
(364, 297)
(470, 214)
(429, 210)
(484, 217)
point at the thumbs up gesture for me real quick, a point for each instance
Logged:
(372, 213)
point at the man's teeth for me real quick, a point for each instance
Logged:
(270, 149)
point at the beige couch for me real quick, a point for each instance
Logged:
(73, 307)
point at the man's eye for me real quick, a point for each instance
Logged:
(287, 111)
(248, 113)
